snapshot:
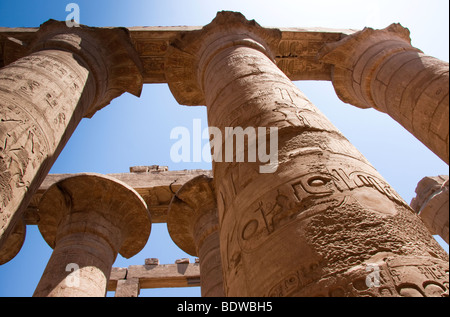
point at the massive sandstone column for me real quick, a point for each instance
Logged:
(380, 69)
(14, 243)
(88, 219)
(193, 226)
(69, 73)
(431, 203)
(325, 223)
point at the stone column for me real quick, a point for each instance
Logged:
(14, 243)
(431, 204)
(380, 69)
(322, 221)
(87, 219)
(69, 73)
(193, 226)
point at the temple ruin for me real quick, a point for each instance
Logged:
(323, 222)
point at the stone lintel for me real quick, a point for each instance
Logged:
(158, 276)
(117, 274)
(155, 187)
(128, 288)
(296, 56)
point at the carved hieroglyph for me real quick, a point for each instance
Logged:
(193, 225)
(380, 69)
(88, 219)
(69, 73)
(313, 227)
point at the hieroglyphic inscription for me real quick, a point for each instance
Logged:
(398, 277)
(287, 286)
(39, 94)
(22, 145)
(304, 197)
(349, 180)
(297, 58)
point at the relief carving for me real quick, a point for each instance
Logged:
(394, 279)
(20, 148)
(308, 195)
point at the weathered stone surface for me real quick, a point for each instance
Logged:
(65, 75)
(88, 219)
(182, 261)
(152, 261)
(308, 228)
(431, 203)
(127, 288)
(193, 225)
(117, 273)
(148, 169)
(380, 69)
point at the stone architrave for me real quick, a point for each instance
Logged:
(88, 219)
(68, 74)
(193, 225)
(127, 288)
(380, 69)
(431, 204)
(324, 223)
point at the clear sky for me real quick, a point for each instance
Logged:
(136, 131)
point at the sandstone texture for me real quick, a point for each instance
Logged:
(317, 219)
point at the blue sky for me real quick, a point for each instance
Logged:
(136, 131)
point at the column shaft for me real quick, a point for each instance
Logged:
(193, 226)
(319, 220)
(43, 97)
(413, 89)
(70, 73)
(380, 69)
(309, 228)
(88, 219)
(80, 266)
(211, 279)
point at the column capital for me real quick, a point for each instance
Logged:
(193, 214)
(432, 202)
(381, 69)
(191, 51)
(354, 54)
(107, 52)
(88, 198)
